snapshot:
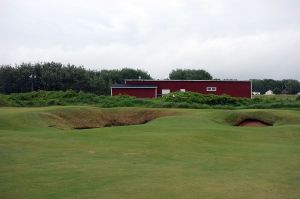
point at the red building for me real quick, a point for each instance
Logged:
(157, 88)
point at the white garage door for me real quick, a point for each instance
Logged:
(165, 91)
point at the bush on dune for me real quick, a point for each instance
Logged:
(3, 101)
(197, 98)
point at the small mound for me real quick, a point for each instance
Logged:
(253, 123)
(87, 118)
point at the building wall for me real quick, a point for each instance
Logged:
(232, 88)
(137, 92)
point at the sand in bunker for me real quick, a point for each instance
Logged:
(253, 123)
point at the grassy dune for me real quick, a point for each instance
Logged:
(173, 100)
(188, 154)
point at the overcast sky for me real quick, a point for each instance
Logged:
(241, 39)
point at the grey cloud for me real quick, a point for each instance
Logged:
(229, 38)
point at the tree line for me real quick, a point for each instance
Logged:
(55, 76)
(286, 86)
(52, 76)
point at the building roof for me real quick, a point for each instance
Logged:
(132, 86)
(168, 80)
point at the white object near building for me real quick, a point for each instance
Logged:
(269, 92)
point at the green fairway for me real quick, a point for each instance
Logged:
(186, 154)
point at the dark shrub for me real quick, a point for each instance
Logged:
(3, 102)
(190, 97)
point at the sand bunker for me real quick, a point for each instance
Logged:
(252, 118)
(253, 123)
(93, 118)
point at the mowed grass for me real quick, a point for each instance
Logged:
(192, 154)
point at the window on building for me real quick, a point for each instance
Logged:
(211, 89)
(182, 90)
(165, 91)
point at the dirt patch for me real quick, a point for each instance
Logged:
(85, 118)
(253, 123)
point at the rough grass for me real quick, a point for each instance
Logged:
(195, 154)
(172, 100)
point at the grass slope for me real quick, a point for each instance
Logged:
(195, 154)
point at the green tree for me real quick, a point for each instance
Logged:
(189, 74)
(277, 86)
(291, 86)
(56, 76)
